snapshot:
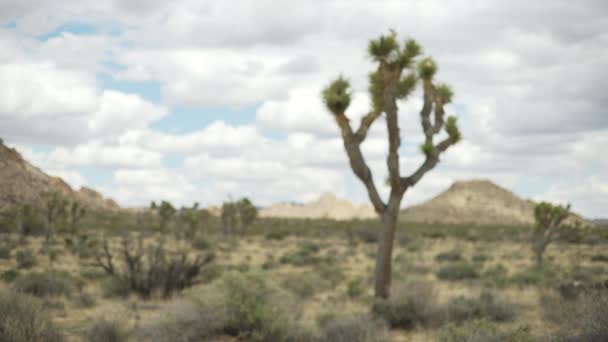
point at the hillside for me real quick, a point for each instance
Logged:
(475, 202)
(327, 206)
(22, 183)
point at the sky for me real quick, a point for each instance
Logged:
(212, 100)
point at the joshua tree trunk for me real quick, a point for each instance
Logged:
(388, 84)
(384, 256)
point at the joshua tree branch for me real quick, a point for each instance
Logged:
(366, 123)
(357, 162)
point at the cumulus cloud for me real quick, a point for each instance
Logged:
(529, 79)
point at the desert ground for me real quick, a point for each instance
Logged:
(304, 280)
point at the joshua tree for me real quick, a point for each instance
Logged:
(237, 216)
(397, 74)
(193, 218)
(165, 211)
(77, 212)
(56, 207)
(549, 227)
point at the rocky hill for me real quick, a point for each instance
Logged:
(22, 183)
(327, 206)
(475, 202)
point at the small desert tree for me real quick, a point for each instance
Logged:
(56, 208)
(236, 216)
(549, 227)
(165, 211)
(193, 217)
(398, 73)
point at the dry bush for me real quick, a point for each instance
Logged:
(458, 271)
(152, 269)
(358, 328)
(462, 308)
(42, 284)
(583, 319)
(483, 331)
(412, 304)
(105, 330)
(26, 259)
(22, 319)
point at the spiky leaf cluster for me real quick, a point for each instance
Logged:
(382, 47)
(411, 50)
(451, 127)
(427, 148)
(337, 96)
(427, 68)
(407, 85)
(375, 90)
(547, 214)
(444, 93)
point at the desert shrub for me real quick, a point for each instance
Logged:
(9, 275)
(201, 244)
(496, 275)
(5, 252)
(453, 255)
(365, 234)
(186, 321)
(584, 319)
(485, 306)
(85, 300)
(458, 271)
(42, 284)
(534, 276)
(301, 257)
(255, 307)
(116, 287)
(360, 328)
(331, 272)
(105, 330)
(303, 285)
(355, 287)
(277, 235)
(480, 258)
(22, 319)
(599, 258)
(483, 331)
(151, 270)
(26, 259)
(411, 304)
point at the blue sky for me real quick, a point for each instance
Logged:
(147, 101)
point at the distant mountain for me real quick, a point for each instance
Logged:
(476, 202)
(601, 221)
(22, 183)
(327, 206)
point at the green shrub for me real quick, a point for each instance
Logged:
(201, 244)
(535, 276)
(355, 287)
(453, 255)
(5, 252)
(480, 258)
(255, 308)
(9, 275)
(462, 308)
(496, 275)
(277, 235)
(26, 259)
(106, 331)
(458, 271)
(599, 258)
(22, 319)
(483, 331)
(361, 328)
(114, 287)
(42, 284)
(412, 304)
(366, 234)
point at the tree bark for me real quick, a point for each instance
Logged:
(384, 256)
